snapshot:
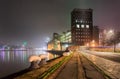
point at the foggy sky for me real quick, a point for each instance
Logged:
(36, 20)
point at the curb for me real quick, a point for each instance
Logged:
(98, 69)
(80, 69)
(52, 69)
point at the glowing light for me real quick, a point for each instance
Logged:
(82, 26)
(109, 34)
(78, 26)
(87, 26)
(111, 31)
(93, 43)
(87, 44)
(66, 45)
(24, 43)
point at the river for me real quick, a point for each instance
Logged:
(14, 61)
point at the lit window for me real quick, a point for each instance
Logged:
(78, 26)
(87, 26)
(82, 26)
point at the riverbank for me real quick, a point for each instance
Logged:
(27, 73)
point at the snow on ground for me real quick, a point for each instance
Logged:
(110, 67)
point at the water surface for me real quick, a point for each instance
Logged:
(14, 61)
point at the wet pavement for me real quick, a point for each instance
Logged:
(90, 70)
(106, 55)
(70, 69)
(108, 62)
(78, 67)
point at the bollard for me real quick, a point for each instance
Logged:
(42, 62)
(34, 65)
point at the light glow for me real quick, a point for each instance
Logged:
(87, 26)
(82, 26)
(78, 26)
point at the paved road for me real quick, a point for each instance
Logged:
(108, 62)
(107, 55)
(70, 70)
(79, 67)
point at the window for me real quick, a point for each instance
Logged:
(78, 26)
(87, 26)
(82, 26)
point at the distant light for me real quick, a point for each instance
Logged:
(47, 39)
(24, 43)
(82, 26)
(111, 31)
(87, 26)
(93, 45)
(78, 26)
(93, 41)
(66, 45)
(44, 48)
(38, 48)
(87, 44)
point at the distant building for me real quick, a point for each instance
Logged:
(102, 37)
(54, 44)
(60, 41)
(96, 35)
(81, 26)
(65, 37)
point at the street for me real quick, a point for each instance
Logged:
(107, 55)
(108, 62)
(78, 67)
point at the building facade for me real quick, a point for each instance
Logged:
(60, 41)
(96, 35)
(65, 37)
(81, 26)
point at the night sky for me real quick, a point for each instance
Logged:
(34, 21)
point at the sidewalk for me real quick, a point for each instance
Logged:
(78, 67)
(90, 70)
(109, 67)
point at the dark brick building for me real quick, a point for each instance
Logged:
(96, 35)
(81, 26)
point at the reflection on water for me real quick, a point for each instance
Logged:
(13, 61)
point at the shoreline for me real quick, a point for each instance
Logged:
(21, 72)
(11, 76)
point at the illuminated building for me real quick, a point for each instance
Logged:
(60, 41)
(81, 26)
(66, 37)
